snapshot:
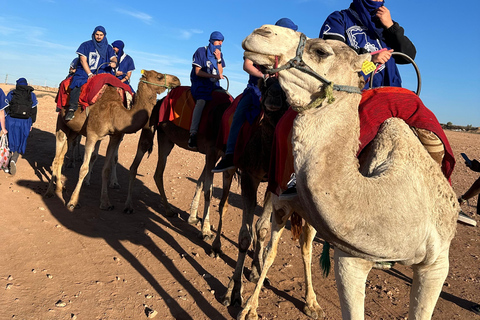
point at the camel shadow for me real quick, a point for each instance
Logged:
(139, 228)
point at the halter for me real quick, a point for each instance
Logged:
(298, 63)
(159, 85)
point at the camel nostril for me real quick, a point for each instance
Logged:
(263, 32)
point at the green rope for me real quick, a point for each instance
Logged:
(325, 259)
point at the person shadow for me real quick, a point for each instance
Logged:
(115, 227)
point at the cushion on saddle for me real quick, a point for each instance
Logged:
(227, 119)
(376, 106)
(92, 90)
(178, 106)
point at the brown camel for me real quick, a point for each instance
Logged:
(107, 116)
(394, 204)
(168, 135)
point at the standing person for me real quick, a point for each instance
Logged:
(3, 105)
(94, 56)
(207, 69)
(125, 64)
(21, 114)
(250, 98)
(367, 26)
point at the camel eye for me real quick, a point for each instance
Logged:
(321, 54)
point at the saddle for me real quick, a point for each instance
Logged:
(177, 107)
(92, 90)
(376, 106)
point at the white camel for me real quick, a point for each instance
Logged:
(393, 205)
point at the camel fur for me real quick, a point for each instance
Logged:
(107, 116)
(394, 205)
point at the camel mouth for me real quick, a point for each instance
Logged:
(260, 59)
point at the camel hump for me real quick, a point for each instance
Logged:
(296, 222)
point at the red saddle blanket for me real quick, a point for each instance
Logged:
(92, 90)
(178, 106)
(376, 106)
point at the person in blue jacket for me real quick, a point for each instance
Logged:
(21, 111)
(367, 26)
(207, 69)
(250, 100)
(95, 56)
(125, 63)
(3, 105)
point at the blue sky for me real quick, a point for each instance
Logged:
(38, 39)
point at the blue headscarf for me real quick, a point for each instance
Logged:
(367, 10)
(216, 35)
(286, 23)
(101, 46)
(22, 82)
(120, 45)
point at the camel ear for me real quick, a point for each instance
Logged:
(360, 59)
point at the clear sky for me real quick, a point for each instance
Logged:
(39, 38)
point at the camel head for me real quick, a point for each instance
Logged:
(274, 47)
(160, 81)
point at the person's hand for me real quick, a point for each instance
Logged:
(221, 77)
(113, 64)
(382, 56)
(218, 54)
(475, 165)
(118, 73)
(5, 131)
(385, 18)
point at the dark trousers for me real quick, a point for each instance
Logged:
(74, 96)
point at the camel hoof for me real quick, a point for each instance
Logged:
(314, 312)
(205, 237)
(108, 207)
(128, 210)
(215, 253)
(114, 185)
(72, 206)
(247, 314)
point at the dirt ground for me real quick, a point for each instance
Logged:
(94, 264)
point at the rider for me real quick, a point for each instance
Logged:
(94, 56)
(250, 98)
(125, 63)
(207, 69)
(367, 26)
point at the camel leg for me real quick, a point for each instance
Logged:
(312, 308)
(193, 218)
(93, 159)
(113, 173)
(262, 228)
(210, 159)
(61, 148)
(223, 206)
(144, 144)
(164, 148)
(89, 147)
(280, 218)
(107, 169)
(249, 186)
(426, 287)
(74, 148)
(351, 274)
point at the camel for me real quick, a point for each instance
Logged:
(394, 204)
(107, 116)
(168, 135)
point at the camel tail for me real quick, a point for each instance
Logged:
(296, 222)
(325, 259)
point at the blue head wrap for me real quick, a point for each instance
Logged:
(120, 45)
(22, 82)
(101, 46)
(216, 35)
(286, 23)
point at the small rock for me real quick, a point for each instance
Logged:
(206, 276)
(60, 304)
(49, 276)
(150, 312)
(9, 286)
(148, 296)
(9, 278)
(34, 271)
(73, 316)
(41, 208)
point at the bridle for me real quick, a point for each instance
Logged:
(159, 85)
(298, 63)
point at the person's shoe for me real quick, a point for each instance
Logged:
(13, 167)
(225, 164)
(475, 308)
(291, 191)
(462, 217)
(192, 142)
(69, 115)
(6, 170)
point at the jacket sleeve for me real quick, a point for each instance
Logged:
(396, 39)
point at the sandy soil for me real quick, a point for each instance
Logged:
(94, 264)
